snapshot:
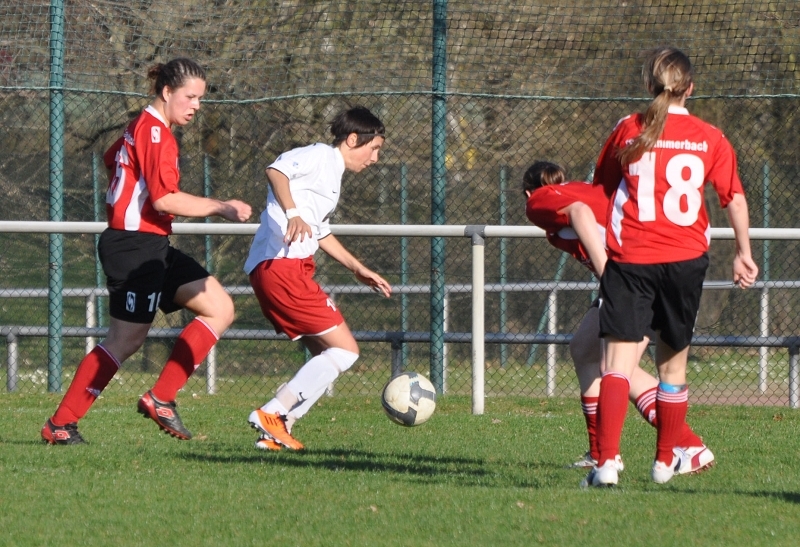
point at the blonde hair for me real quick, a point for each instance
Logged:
(667, 76)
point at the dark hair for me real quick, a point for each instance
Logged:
(360, 121)
(174, 74)
(667, 75)
(542, 173)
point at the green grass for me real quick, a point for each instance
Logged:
(496, 479)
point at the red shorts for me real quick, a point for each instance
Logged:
(290, 298)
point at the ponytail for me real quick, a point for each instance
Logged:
(667, 75)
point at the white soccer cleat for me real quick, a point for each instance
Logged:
(604, 475)
(662, 472)
(586, 462)
(693, 459)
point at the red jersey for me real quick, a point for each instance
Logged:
(543, 209)
(657, 212)
(144, 168)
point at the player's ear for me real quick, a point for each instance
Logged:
(528, 193)
(352, 140)
(166, 93)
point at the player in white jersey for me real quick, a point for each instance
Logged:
(304, 188)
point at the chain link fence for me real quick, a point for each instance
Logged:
(470, 93)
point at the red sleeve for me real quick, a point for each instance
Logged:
(724, 173)
(157, 155)
(110, 157)
(608, 171)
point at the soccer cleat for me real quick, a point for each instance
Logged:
(61, 434)
(662, 472)
(274, 426)
(604, 475)
(588, 461)
(265, 442)
(164, 414)
(585, 462)
(693, 459)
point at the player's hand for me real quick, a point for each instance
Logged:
(745, 271)
(296, 228)
(236, 211)
(373, 280)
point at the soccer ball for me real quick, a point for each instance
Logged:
(409, 399)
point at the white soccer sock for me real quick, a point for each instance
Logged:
(311, 381)
(274, 406)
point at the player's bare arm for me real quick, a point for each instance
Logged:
(583, 221)
(189, 205)
(745, 269)
(337, 251)
(296, 226)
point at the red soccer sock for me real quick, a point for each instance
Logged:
(612, 406)
(671, 409)
(646, 405)
(589, 408)
(688, 437)
(190, 349)
(92, 376)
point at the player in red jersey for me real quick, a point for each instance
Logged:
(144, 273)
(573, 214)
(654, 167)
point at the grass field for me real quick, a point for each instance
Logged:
(497, 479)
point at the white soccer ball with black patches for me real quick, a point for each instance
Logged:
(409, 399)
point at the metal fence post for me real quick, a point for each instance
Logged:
(211, 358)
(503, 264)
(794, 377)
(56, 248)
(404, 259)
(12, 361)
(763, 352)
(552, 327)
(91, 316)
(397, 355)
(478, 322)
(438, 185)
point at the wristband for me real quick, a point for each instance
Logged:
(291, 213)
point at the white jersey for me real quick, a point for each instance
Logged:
(315, 178)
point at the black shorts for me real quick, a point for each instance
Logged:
(649, 332)
(143, 273)
(664, 297)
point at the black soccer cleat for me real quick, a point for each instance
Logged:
(164, 414)
(61, 434)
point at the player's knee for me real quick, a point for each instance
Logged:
(224, 311)
(577, 351)
(583, 352)
(124, 343)
(343, 358)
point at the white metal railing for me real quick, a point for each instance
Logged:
(478, 233)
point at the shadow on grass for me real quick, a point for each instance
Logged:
(787, 497)
(431, 469)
